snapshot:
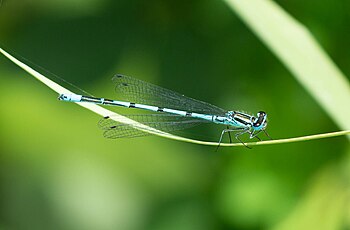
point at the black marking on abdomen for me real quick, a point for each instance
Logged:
(160, 109)
(91, 99)
(188, 114)
(108, 102)
(132, 105)
(219, 119)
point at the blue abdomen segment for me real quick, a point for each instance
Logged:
(235, 119)
(70, 97)
(103, 101)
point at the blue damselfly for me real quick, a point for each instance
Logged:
(175, 111)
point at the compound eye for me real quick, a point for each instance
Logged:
(259, 121)
(261, 114)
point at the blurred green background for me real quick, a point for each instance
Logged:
(58, 172)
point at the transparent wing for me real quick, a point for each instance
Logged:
(163, 122)
(141, 92)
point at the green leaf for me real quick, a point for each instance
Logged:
(294, 45)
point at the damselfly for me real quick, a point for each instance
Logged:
(175, 111)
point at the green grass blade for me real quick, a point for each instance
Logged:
(92, 107)
(117, 117)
